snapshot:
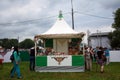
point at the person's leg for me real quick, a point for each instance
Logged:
(30, 66)
(107, 61)
(90, 63)
(33, 64)
(13, 70)
(18, 71)
(87, 64)
(102, 69)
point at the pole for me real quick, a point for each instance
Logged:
(72, 15)
(97, 38)
(18, 41)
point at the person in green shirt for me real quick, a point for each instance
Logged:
(16, 62)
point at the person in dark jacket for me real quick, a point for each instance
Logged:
(32, 59)
(100, 61)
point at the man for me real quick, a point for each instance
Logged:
(32, 59)
(107, 54)
(100, 61)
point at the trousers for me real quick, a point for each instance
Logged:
(16, 69)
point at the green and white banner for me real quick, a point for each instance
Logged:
(60, 60)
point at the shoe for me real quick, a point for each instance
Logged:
(101, 71)
(20, 77)
(11, 76)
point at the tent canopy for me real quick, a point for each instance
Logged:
(60, 30)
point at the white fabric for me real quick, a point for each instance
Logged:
(61, 45)
(61, 30)
(60, 27)
(59, 60)
(7, 56)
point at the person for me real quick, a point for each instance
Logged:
(12, 49)
(95, 52)
(16, 62)
(32, 59)
(91, 53)
(88, 60)
(107, 54)
(100, 61)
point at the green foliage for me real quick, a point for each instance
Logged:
(115, 39)
(8, 43)
(26, 44)
(115, 35)
(116, 23)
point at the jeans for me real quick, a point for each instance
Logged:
(32, 63)
(16, 69)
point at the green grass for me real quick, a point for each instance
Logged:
(112, 72)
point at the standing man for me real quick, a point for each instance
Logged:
(107, 54)
(100, 61)
(88, 60)
(32, 59)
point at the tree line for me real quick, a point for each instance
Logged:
(115, 35)
(8, 43)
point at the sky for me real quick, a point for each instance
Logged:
(26, 18)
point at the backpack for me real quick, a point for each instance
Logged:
(12, 57)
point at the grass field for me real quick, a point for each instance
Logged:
(112, 72)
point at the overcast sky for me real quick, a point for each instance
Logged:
(27, 18)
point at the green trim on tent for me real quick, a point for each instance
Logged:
(77, 60)
(49, 43)
(41, 61)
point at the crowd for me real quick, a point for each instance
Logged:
(99, 55)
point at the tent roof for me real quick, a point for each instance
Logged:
(60, 27)
(61, 30)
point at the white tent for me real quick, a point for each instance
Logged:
(61, 33)
(7, 57)
(61, 30)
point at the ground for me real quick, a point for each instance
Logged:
(112, 72)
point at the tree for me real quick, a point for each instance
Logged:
(116, 23)
(8, 43)
(26, 44)
(115, 35)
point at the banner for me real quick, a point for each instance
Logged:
(59, 60)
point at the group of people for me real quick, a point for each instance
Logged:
(99, 55)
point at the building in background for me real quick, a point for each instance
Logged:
(99, 39)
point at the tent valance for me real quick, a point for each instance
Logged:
(72, 35)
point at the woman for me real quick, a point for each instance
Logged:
(16, 62)
(100, 61)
